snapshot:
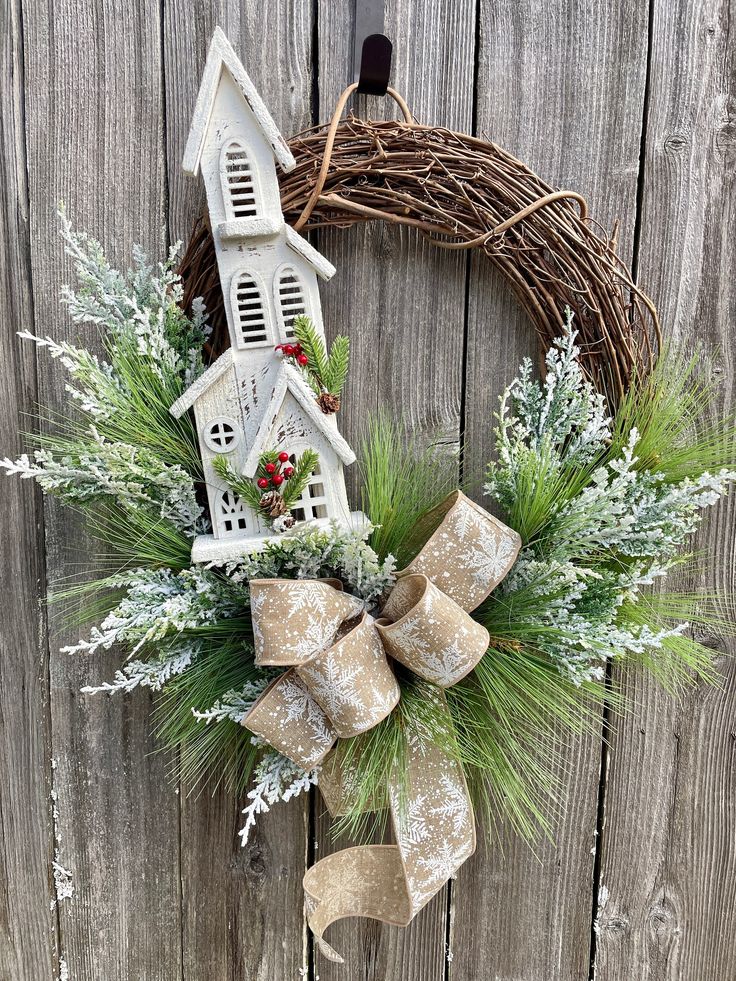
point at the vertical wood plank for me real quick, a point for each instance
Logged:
(27, 921)
(402, 302)
(668, 895)
(242, 907)
(95, 139)
(561, 86)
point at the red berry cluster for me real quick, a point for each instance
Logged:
(277, 473)
(294, 351)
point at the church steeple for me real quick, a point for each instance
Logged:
(250, 402)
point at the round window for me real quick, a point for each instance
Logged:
(221, 435)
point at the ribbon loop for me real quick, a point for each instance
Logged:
(431, 635)
(288, 718)
(352, 680)
(468, 551)
(295, 619)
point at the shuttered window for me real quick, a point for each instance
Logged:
(249, 312)
(238, 182)
(291, 299)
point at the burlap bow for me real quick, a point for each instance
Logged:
(340, 683)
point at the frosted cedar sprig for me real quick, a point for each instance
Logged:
(276, 779)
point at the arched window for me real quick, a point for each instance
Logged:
(249, 312)
(221, 435)
(291, 299)
(313, 502)
(238, 182)
(231, 514)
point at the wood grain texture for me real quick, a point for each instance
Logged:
(94, 131)
(242, 907)
(401, 300)
(100, 100)
(402, 303)
(561, 86)
(668, 894)
(28, 936)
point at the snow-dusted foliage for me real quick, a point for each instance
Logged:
(132, 475)
(118, 442)
(313, 554)
(576, 625)
(563, 422)
(634, 512)
(141, 307)
(603, 528)
(234, 705)
(152, 674)
(276, 779)
(159, 603)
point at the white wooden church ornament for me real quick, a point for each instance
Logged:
(250, 400)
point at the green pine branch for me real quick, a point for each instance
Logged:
(291, 490)
(303, 470)
(336, 373)
(313, 347)
(326, 373)
(239, 485)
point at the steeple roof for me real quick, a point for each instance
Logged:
(322, 266)
(288, 379)
(222, 56)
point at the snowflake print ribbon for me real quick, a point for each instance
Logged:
(339, 682)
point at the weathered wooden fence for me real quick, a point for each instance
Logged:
(633, 104)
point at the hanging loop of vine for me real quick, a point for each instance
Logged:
(462, 192)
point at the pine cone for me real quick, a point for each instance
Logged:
(284, 523)
(328, 402)
(273, 504)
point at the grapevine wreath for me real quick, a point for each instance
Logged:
(412, 659)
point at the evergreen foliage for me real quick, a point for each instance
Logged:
(401, 481)
(327, 373)
(603, 505)
(242, 486)
(291, 489)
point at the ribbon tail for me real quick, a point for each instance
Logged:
(435, 833)
(368, 880)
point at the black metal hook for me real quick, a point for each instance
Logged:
(372, 49)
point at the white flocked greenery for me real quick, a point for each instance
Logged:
(602, 528)
(603, 505)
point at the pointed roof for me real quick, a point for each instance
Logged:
(216, 370)
(220, 56)
(289, 380)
